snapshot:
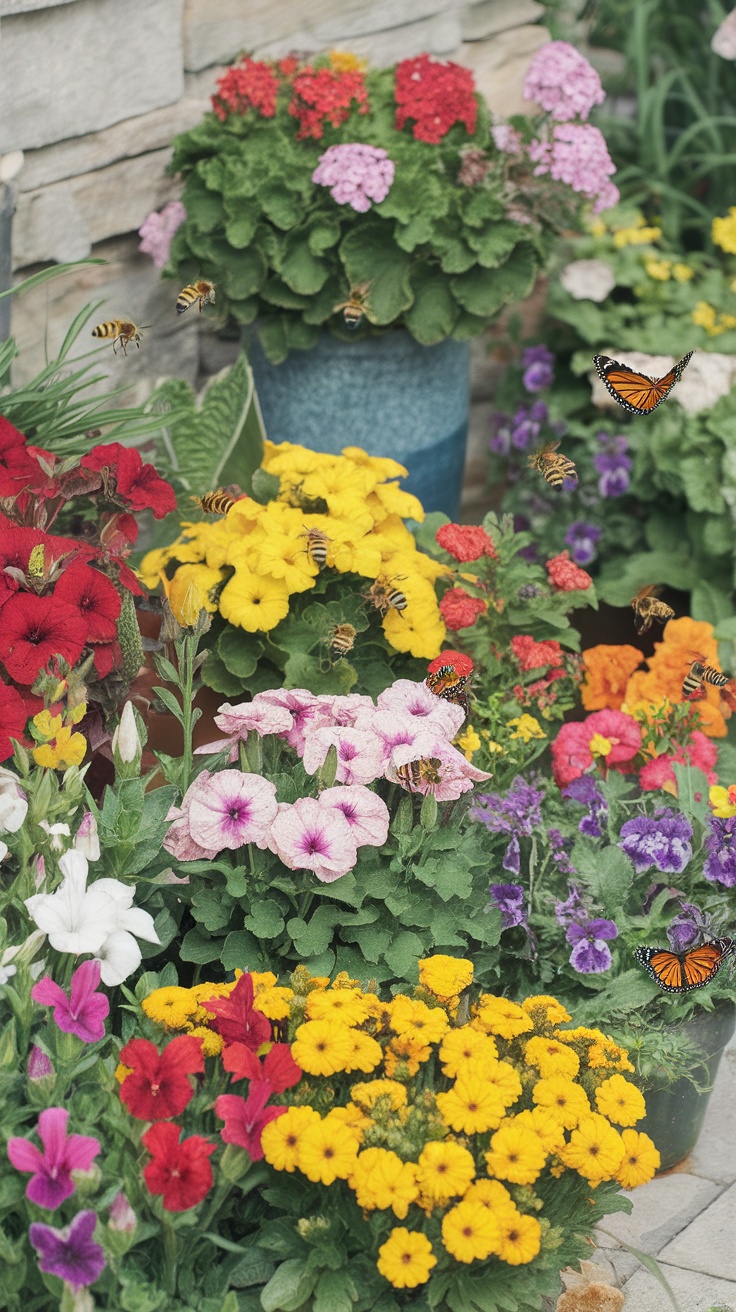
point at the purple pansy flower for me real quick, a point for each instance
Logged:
(613, 465)
(662, 841)
(720, 845)
(591, 954)
(71, 1253)
(584, 790)
(509, 898)
(83, 1012)
(687, 927)
(537, 363)
(51, 1180)
(582, 539)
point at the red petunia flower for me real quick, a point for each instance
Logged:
(701, 753)
(181, 1172)
(14, 715)
(18, 469)
(533, 655)
(250, 84)
(278, 1070)
(107, 657)
(246, 1118)
(435, 95)
(94, 598)
(34, 629)
(459, 610)
(236, 1019)
(136, 483)
(325, 95)
(566, 576)
(159, 1085)
(465, 541)
(461, 663)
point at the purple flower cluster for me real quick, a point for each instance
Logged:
(720, 845)
(562, 81)
(509, 898)
(662, 841)
(538, 365)
(591, 954)
(518, 431)
(357, 175)
(577, 154)
(584, 790)
(559, 852)
(157, 231)
(582, 539)
(687, 927)
(573, 908)
(613, 466)
(518, 812)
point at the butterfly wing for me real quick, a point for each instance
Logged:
(701, 964)
(665, 968)
(634, 391)
(681, 972)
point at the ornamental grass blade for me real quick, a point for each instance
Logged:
(651, 1265)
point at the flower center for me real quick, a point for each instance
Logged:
(155, 1089)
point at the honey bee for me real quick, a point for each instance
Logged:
(122, 331)
(317, 544)
(648, 607)
(415, 773)
(697, 676)
(356, 306)
(201, 291)
(215, 503)
(552, 465)
(342, 640)
(385, 596)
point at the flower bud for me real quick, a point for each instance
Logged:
(86, 1182)
(86, 839)
(127, 748)
(235, 1163)
(122, 1217)
(39, 1065)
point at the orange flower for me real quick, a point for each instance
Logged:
(607, 671)
(683, 641)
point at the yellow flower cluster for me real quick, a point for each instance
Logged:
(637, 235)
(60, 747)
(663, 270)
(706, 316)
(341, 513)
(723, 232)
(526, 727)
(178, 1008)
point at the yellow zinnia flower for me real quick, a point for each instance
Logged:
(462, 1047)
(274, 1003)
(347, 1005)
(471, 1106)
(353, 1117)
(405, 1051)
(501, 1076)
(640, 1162)
(723, 231)
(327, 1151)
(520, 1239)
(444, 1170)
(445, 976)
(281, 1139)
(502, 1017)
(411, 1017)
(406, 1258)
(551, 1057)
(254, 603)
(565, 1099)
(322, 1047)
(516, 1154)
(366, 1053)
(554, 1012)
(595, 1150)
(367, 1093)
(171, 1006)
(470, 1232)
(491, 1194)
(381, 1179)
(620, 1101)
(526, 727)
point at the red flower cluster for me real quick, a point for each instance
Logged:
(565, 575)
(533, 655)
(251, 84)
(462, 664)
(459, 610)
(15, 711)
(181, 1172)
(236, 1019)
(435, 95)
(19, 464)
(465, 541)
(324, 95)
(246, 1118)
(701, 753)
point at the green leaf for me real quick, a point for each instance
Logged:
(299, 267)
(335, 1292)
(435, 312)
(239, 651)
(196, 947)
(242, 949)
(216, 675)
(253, 1269)
(289, 1286)
(494, 243)
(244, 276)
(281, 206)
(368, 258)
(170, 702)
(305, 671)
(315, 936)
(404, 953)
(266, 920)
(618, 583)
(484, 291)
(608, 874)
(36, 279)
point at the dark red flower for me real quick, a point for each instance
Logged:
(18, 469)
(250, 84)
(107, 657)
(435, 95)
(94, 598)
(159, 1085)
(34, 629)
(246, 1118)
(459, 610)
(136, 483)
(461, 664)
(180, 1171)
(13, 718)
(236, 1019)
(278, 1070)
(324, 95)
(465, 541)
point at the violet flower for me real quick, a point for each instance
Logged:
(591, 954)
(563, 82)
(39, 1065)
(558, 849)
(51, 1182)
(83, 1012)
(366, 813)
(720, 845)
(584, 790)
(356, 174)
(687, 927)
(582, 539)
(516, 812)
(512, 857)
(71, 1253)
(614, 468)
(577, 154)
(538, 365)
(509, 898)
(573, 908)
(360, 754)
(662, 841)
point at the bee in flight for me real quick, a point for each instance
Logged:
(647, 608)
(121, 330)
(201, 291)
(356, 306)
(552, 465)
(386, 597)
(317, 544)
(698, 675)
(415, 773)
(215, 503)
(342, 640)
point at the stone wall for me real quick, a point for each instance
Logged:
(92, 91)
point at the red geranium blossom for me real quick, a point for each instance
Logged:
(236, 1019)
(250, 84)
(180, 1171)
(533, 655)
(159, 1086)
(13, 718)
(465, 541)
(565, 575)
(324, 95)
(571, 754)
(246, 1118)
(460, 663)
(435, 95)
(136, 483)
(459, 610)
(279, 1070)
(94, 598)
(34, 629)
(700, 753)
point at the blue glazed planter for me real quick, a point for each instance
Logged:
(387, 394)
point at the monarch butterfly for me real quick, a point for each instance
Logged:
(679, 972)
(636, 392)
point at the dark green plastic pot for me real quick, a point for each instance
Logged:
(675, 1115)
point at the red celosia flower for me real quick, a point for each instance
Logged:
(460, 663)
(324, 95)
(34, 629)
(459, 610)
(250, 84)
(435, 95)
(159, 1085)
(246, 1118)
(94, 598)
(279, 1069)
(136, 483)
(533, 655)
(180, 1171)
(565, 575)
(236, 1019)
(571, 754)
(465, 541)
(13, 717)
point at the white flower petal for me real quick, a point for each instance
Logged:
(118, 956)
(139, 922)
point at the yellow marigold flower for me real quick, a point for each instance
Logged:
(491, 1194)
(640, 1162)
(580, 1034)
(445, 1170)
(555, 1013)
(551, 1057)
(723, 800)
(202, 993)
(381, 1179)
(256, 603)
(502, 1076)
(122, 1072)
(347, 1005)
(464, 1046)
(566, 1100)
(682, 272)
(546, 1125)
(212, 1042)
(171, 1006)
(281, 1139)
(445, 976)
(411, 1017)
(274, 1003)
(636, 236)
(516, 1154)
(520, 1238)
(526, 727)
(322, 1047)
(595, 1149)
(620, 1101)
(659, 270)
(470, 1232)
(468, 742)
(343, 61)
(405, 1050)
(366, 1053)
(327, 1151)
(367, 1093)
(261, 979)
(704, 316)
(67, 749)
(406, 1258)
(608, 1056)
(471, 1106)
(353, 1118)
(500, 1016)
(723, 231)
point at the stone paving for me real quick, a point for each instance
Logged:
(686, 1219)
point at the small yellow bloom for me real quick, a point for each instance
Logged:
(406, 1258)
(501, 1016)
(368, 1092)
(659, 270)
(551, 1057)
(381, 1179)
(67, 749)
(470, 1232)
(122, 1072)
(471, 1106)
(502, 1077)
(723, 800)
(274, 1002)
(516, 1154)
(636, 236)
(723, 231)
(48, 725)
(596, 227)
(464, 1047)
(492, 1194)
(600, 746)
(256, 603)
(412, 1018)
(322, 1047)
(468, 742)
(281, 1139)
(620, 1101)
(444, 1170)
(641, 1159)
(344, 61)
(595, 1150)
(520, 1238)
(366, 1053)
(704, 316)
(682, 272)
(565, 1099)
(445, 976)
(349, 1006)
(171, 1006)
(554, 1012)
(526, 727)
(212, 1042)
(328, 1151)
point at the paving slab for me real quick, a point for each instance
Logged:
(714, 1155)
(708, 1244)
(693, 1291)
(662, 1209)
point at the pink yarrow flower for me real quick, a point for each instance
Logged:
(157, 231)
(83, 1012)
(237, 722)
(51, 1182)
(365, 812)
(562, 82)
(359, 754)
(309, 836)
(577, 155)
(356, 174)
(232, 809)
(455, 774)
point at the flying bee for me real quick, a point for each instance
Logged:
(201, 291)
(552, 465)
(317, 544)
(647, 608)
(698, 675)
(215, 503)
(122, 331)
(342, 640)
(385, 596)
(356, 306)
(415, 773)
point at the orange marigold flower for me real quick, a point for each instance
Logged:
(608, 670)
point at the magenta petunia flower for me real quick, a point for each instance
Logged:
(405, 697)
(356, 174)
(365, 812)
(309, 836)
(237, 722)
(359, 754)
(51, 1181)
(83, 1012)
(246, 1118)
(71, 1253)
(232, 809)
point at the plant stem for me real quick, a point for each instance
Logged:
(171, 1245)
(189, 651)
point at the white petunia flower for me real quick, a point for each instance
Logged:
(57, 833)
(13, 803)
